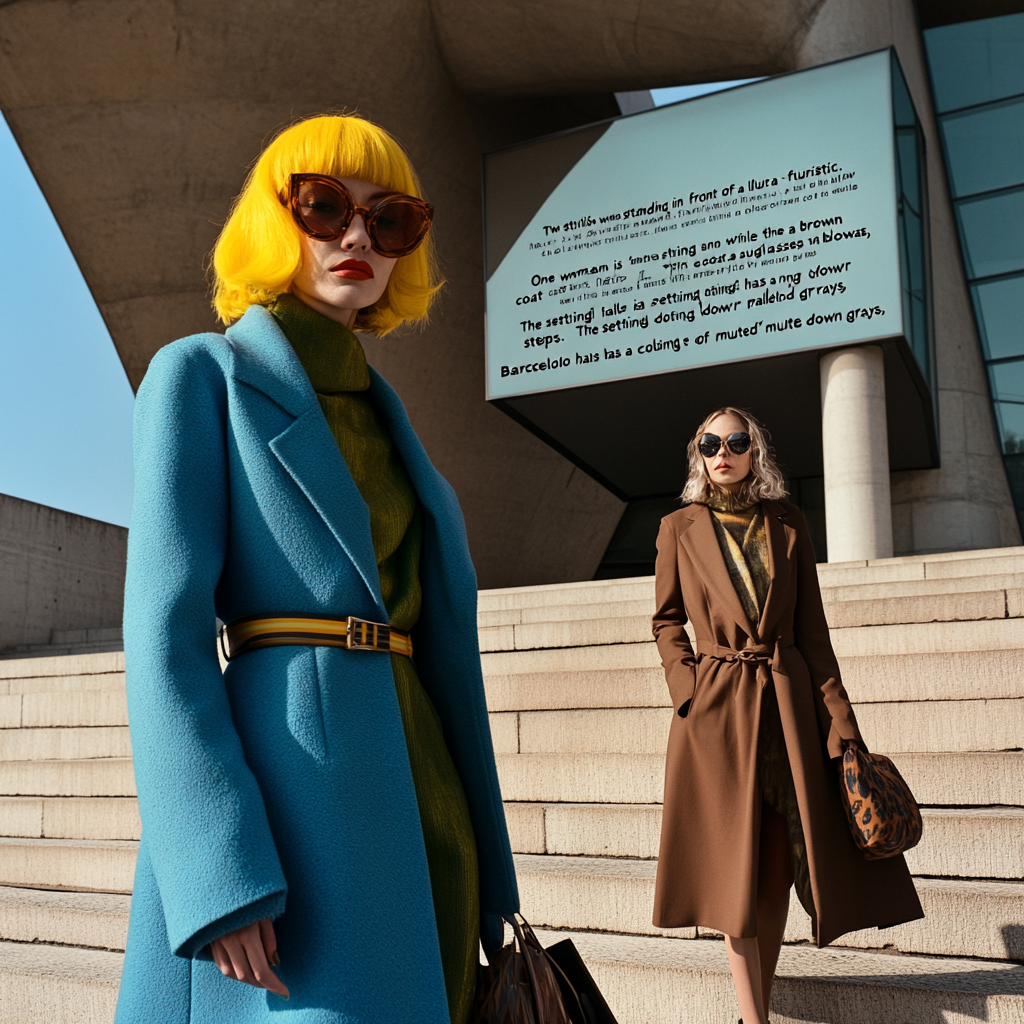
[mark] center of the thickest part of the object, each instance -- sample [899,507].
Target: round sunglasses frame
[370,214]
[741,437]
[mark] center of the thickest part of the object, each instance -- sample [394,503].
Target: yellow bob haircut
[258,252]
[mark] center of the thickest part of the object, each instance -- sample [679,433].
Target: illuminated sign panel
[738,226]
[646,270]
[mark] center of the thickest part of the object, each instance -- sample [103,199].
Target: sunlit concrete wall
[140,120]
[966,503]
[57,571]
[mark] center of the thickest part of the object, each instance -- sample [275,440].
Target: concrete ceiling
[551,47]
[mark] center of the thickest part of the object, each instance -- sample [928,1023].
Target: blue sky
[65,402]
[675,93]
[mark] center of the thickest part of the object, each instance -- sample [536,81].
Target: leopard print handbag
[884,817]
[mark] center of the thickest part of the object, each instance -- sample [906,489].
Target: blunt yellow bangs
[258,252]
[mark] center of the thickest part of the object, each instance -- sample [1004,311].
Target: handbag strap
[520,932]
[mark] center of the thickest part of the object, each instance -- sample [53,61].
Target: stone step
[513,616]
[957,842]
[844,606]
[940,779]
[645,981]
[912,726]
[94,777]
[853,641]
[31,817]
[78,708]
[81,865]
[636,588]
[962,918]
[64,744]
[52,650]
[952,566]
[42,984]
[979,843]
[627,675]
[668,981]
[630,675]
[64,665]
[63,684]
[921,588]
[949,565]
[967,606]
[98,920]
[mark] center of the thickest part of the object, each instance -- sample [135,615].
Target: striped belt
[249,634]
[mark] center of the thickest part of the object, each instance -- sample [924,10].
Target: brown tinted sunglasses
[323,208]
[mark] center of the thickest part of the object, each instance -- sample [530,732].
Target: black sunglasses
[709,445]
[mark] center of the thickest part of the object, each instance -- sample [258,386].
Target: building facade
[140,122]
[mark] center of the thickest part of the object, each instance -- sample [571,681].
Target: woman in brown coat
[752,801]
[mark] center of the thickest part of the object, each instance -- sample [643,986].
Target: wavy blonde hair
[764,482]
[258,252]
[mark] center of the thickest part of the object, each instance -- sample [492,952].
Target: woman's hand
[246,954]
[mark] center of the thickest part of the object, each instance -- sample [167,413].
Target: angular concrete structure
[140,121]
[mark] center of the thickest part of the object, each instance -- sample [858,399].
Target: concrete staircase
[932,650]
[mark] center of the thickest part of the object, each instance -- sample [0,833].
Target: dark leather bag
[525,984]
[884,817]
[585,993]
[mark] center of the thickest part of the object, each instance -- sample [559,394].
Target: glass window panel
[986,147]
[1008,382]
[1015,474]
[1011,426]
[1000,309]
[907,158]
[976,61]
[992,229]
[1008,390]
[903,105]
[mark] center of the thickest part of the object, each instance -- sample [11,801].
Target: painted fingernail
[275,960]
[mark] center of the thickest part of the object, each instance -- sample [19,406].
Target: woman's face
[726,469]
[341,277]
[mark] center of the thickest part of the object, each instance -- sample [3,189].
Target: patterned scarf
[744,543]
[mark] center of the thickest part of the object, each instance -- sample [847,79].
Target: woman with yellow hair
[322,821]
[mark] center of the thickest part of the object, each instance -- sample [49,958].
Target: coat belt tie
[762,655]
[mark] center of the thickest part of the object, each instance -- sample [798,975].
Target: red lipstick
[353,270]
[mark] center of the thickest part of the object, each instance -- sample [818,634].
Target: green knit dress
[336,365]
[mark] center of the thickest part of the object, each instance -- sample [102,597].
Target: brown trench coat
[707,868]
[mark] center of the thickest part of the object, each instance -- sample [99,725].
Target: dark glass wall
[912,213]
[977,71]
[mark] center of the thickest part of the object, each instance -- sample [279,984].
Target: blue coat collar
[264,360]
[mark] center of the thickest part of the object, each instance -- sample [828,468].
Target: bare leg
[753,960]
[774,880]
[745,964]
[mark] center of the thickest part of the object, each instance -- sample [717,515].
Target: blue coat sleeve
[204,822]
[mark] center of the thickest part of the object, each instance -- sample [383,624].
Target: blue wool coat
[282,788]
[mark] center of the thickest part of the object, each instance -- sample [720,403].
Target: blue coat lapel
[306,449]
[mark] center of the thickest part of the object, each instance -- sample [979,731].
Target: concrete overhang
[553,47]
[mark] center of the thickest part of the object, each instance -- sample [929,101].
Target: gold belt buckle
[363,635]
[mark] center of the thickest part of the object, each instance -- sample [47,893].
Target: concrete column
[855,442]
